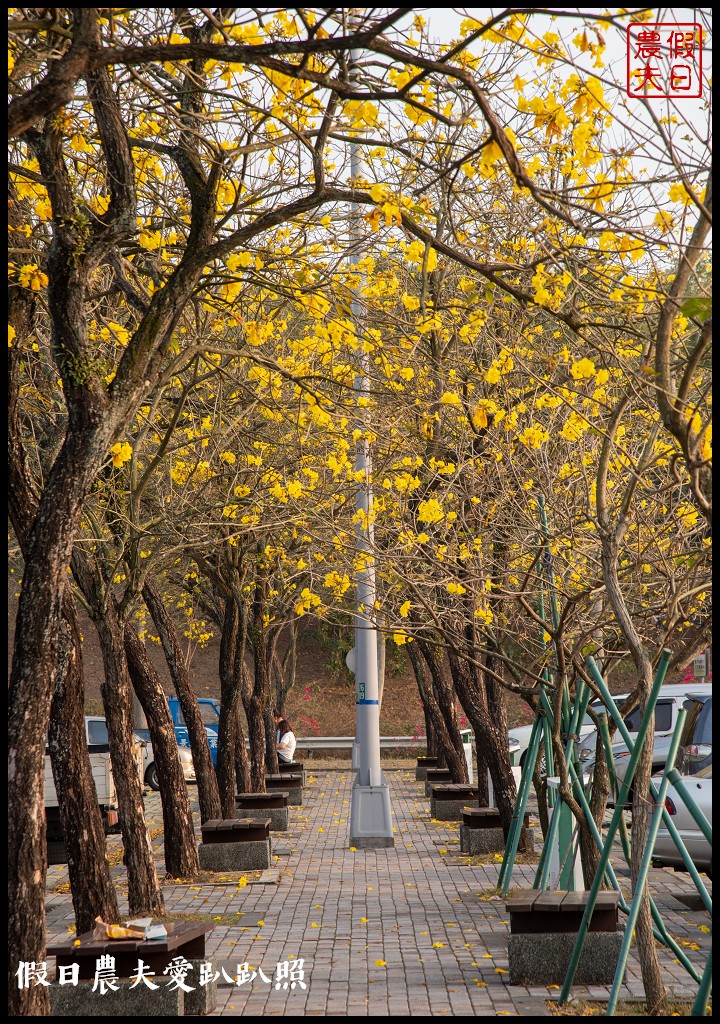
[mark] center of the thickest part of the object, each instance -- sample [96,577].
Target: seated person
[284,739]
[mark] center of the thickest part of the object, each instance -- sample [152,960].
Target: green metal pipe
[660,931]
[605,855]
[699,1006]
[607,751]
[542,874]
[521,800]
[554,607]
[667,820]
[645,866]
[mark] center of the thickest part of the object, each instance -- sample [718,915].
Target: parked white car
[97,734]
[522,734]
[669,702]
[97,737]
[151,776]
[665,853]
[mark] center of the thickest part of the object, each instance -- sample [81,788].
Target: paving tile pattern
[409,930]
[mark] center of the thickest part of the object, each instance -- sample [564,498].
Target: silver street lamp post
[370,815]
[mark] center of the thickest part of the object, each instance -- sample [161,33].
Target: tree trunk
[436,748]
[430,741]
[230,733]
[93,892]
[181,854]
[242,761]
[272,766]
[257,700]
[441,702]
[207,783]
[483,768]
[490,736]
[144,896]
[32,681]
[286,671]
[255,714]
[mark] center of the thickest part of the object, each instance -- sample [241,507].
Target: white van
[669,702]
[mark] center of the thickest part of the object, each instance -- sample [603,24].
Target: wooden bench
[538,911]
[184,939]
[275,798]
[272,805]
[235,830]
[295,768]
[487,817]
[543,933]
[291,782]
[455,791]
[447,800]
[481,830]
[424,762]
[436,777]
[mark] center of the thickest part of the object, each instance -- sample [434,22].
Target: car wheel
[151,778]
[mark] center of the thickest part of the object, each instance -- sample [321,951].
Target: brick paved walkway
[405,931]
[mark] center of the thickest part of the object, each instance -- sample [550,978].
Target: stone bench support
[236,845]
[481,831]
[543,931]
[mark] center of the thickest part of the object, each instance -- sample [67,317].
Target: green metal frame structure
[571,715]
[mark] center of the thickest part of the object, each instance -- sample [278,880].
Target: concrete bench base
[279,817]
[80,1000]
[543,958]
[447,810]
[204,997]
[481,840]
[252,856]
[295,796]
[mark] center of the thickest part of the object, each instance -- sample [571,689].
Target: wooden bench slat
[575,901]
[608,899]
[549,901]
[179,934]
[523,902]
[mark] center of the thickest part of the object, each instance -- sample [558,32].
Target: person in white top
[284,739]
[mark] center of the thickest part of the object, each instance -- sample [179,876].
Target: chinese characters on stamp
[664,59]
